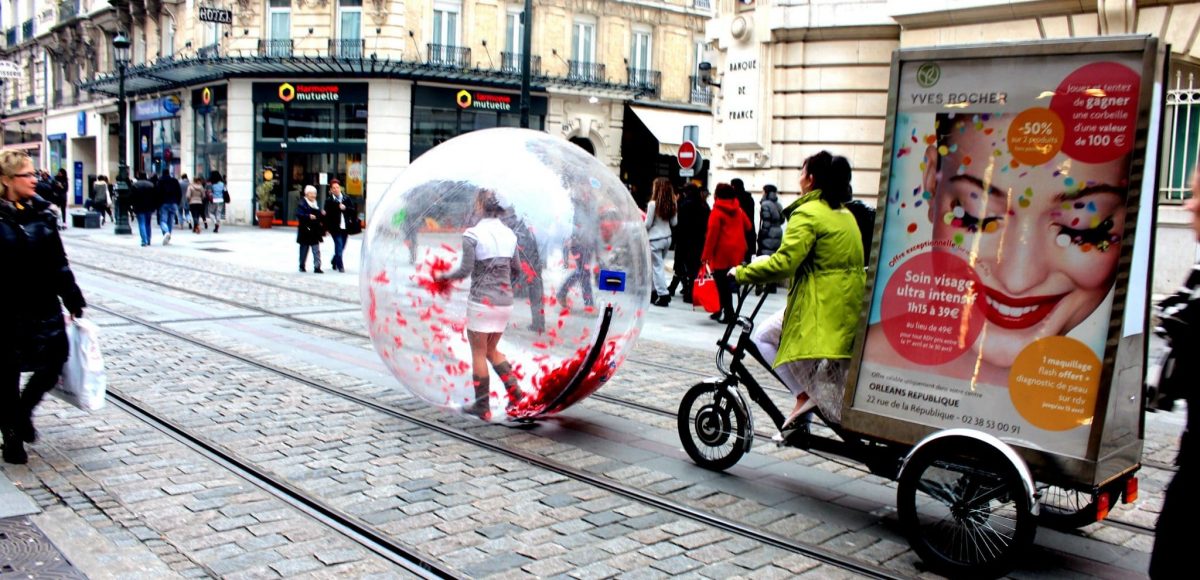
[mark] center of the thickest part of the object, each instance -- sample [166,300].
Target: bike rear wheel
[714,427]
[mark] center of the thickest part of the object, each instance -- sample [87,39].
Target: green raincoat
[822,252]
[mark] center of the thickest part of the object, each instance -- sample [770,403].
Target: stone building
[299,92]
[798,76]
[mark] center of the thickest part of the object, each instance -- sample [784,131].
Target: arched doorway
[585,144]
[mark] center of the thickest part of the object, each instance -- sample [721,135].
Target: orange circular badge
[1035,136]
[1053,383]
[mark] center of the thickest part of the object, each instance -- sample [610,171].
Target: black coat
[168,191]
[32,333]
[309,231]
[144,197]
[770,224]
[690,233]
[747,202]
[333,216]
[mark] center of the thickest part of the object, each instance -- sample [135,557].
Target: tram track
[728,525]
[761,437]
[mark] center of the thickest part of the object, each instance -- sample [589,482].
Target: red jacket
[725,243]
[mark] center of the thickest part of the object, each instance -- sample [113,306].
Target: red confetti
[430,278]
[904,151]
[912,228]
[530,273]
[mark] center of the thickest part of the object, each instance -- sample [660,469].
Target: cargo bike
[1052,435]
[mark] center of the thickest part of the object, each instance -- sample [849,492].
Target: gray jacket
[770,229]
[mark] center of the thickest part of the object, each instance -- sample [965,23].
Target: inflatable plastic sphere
[505,274]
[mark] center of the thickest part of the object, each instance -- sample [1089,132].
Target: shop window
[310,122]
[352,126]
[271,122]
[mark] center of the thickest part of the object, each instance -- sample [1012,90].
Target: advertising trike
[998,368]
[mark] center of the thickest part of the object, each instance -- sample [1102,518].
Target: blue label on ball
[612,281]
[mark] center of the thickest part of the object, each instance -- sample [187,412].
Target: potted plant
[264,196]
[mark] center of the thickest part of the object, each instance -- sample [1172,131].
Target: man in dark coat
[527,280]
[341,220]
[746,201]
[689,239]
[168,193]
[145,203]
[32,333]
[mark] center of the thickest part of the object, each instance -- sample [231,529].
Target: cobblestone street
[222,338]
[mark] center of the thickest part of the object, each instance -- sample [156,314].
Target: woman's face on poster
[1044,240]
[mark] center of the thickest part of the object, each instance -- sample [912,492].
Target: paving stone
[495,565]
[661,551]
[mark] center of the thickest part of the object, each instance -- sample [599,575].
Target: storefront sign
[161,108]
[205,99]
[742,76]
[294,92]
[1008,206]
[10,70]
[216,15]
[81,123]
[476,100]
[485,101]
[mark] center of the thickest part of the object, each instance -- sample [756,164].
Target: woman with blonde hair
[33,337]
[661,217]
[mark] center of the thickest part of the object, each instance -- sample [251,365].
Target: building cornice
[915,14]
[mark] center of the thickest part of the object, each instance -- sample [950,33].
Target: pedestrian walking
[168,212]
[689,239]
[145,202]
[746,202]
[32,333]
[725,245]
[195,200]
[1179,321]
[770,221]
[578,253]
[661,217]
[61,189]
[341,221]
[185,212]
[218,201]
[102,198]
[489,250]
[810,340]
[310,230]
[527,278]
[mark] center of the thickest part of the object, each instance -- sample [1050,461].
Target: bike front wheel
[713,426]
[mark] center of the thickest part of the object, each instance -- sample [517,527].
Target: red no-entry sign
[687,155]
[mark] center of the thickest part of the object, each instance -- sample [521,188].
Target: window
[280,20]
[168,37]
[583,42]
[514,31]
[1181,137]
[352,126]
[640,52]
[350,19]
[445,23]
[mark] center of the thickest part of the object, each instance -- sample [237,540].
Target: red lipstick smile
[1017,313]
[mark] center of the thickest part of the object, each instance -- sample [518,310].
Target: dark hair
[491,205]
[737,184]
[768,188]
[663,196]
[831,175]
[725,191]
[215,176]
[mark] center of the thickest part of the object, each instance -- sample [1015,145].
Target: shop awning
[667,126]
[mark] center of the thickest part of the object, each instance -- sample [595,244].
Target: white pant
[823,379]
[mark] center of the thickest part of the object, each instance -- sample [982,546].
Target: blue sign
[172,104]
[81,123]
[78,183]
[163,108]
[611,281]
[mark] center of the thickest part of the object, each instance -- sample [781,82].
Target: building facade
[299,92]
[798,76]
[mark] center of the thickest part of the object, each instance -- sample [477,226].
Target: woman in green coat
[811,339]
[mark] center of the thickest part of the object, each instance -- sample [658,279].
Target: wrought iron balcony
[701,92]
[510,62]
[27,30]
[210,51]
[588,72]
[702,4]
[448,55]
[278,47]
[68,10]
[645,80]
[10,37]
[346,47]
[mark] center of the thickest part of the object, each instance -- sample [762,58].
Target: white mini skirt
[487,318]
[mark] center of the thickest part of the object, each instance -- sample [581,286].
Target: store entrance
[291,171]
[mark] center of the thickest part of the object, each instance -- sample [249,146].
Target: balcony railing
[278,47]
[588,72]
[701,93]
[68,10]
[27,30]
[210,51]
[702,4]
[346,47]
[448,55]
[646,80]
[10,37]
[510,62]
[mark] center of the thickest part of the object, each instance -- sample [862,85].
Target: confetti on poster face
[581,258]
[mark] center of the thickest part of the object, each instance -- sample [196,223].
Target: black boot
[480,406]
[511,386]
[25,429]
[14,448]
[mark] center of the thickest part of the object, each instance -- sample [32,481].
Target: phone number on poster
[990,425]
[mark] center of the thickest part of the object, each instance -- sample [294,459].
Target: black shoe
[318,271]
[341,269]
[663,300]
[715,316]
[302,268]
[216,228]
[14,449]
[687,298]
[26,431]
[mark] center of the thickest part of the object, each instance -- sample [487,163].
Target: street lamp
[121,187]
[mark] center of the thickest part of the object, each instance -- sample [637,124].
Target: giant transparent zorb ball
[580,280]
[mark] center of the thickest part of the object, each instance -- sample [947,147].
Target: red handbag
[704,292]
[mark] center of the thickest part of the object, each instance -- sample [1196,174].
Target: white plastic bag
[83,381]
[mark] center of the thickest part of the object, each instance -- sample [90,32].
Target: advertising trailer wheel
[714,426]
[1061,508]
[965,508]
